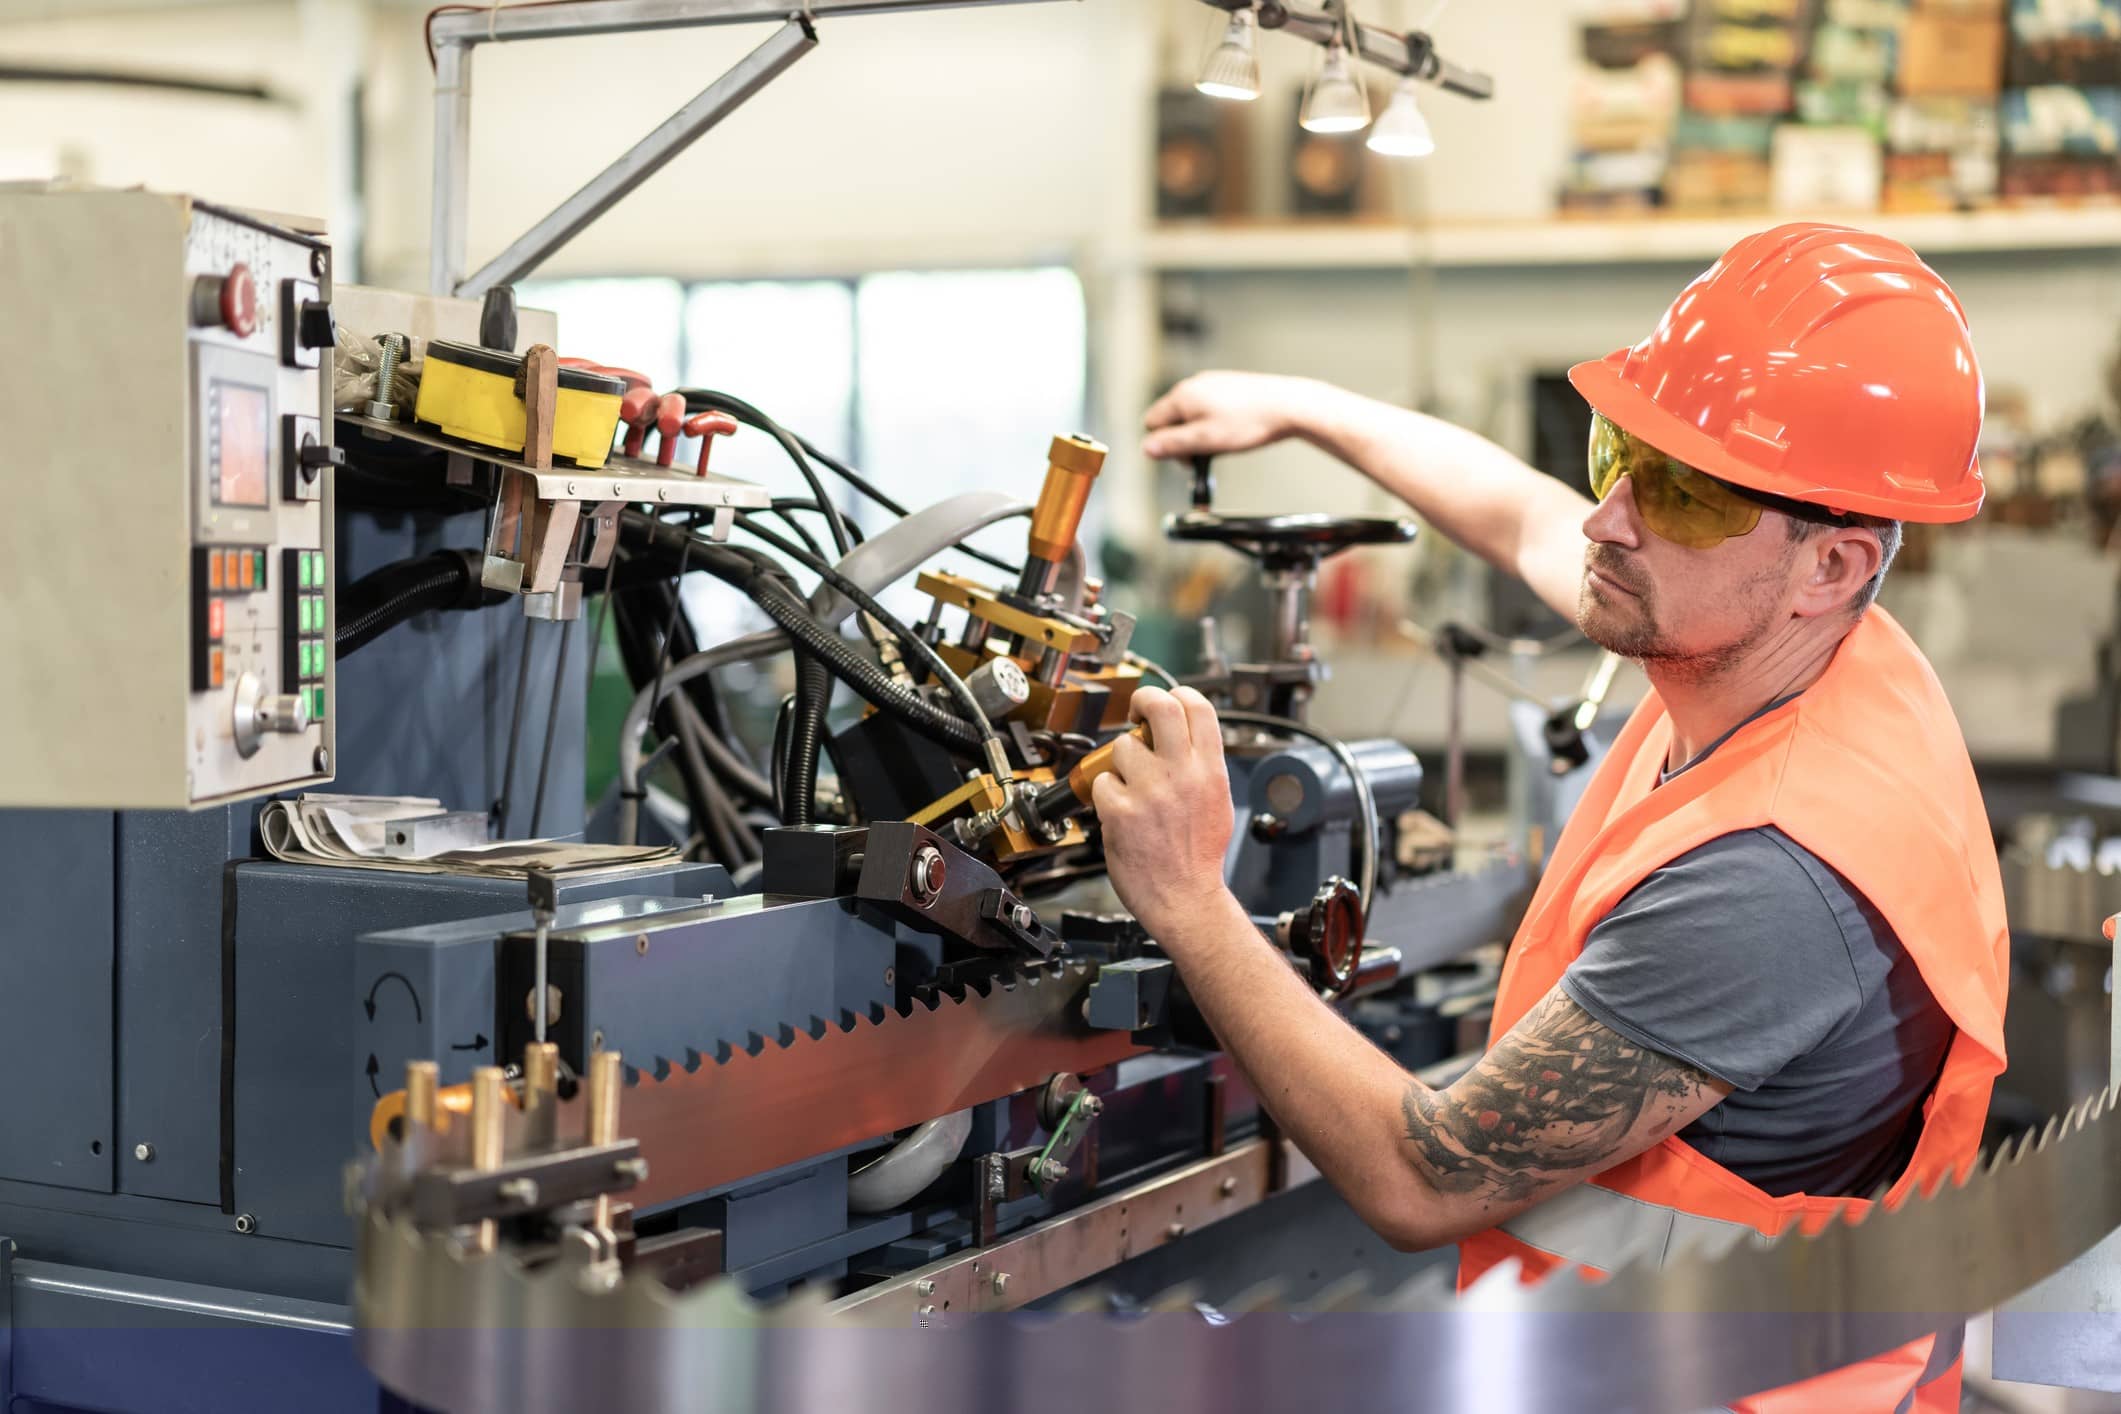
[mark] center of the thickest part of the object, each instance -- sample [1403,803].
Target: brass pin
[488,1132]
[605,1070]
[423,1078]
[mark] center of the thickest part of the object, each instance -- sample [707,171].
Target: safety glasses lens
[1678,503]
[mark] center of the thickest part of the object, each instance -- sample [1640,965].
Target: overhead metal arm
[455,33]
[645,158]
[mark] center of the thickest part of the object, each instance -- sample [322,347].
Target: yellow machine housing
[475,394]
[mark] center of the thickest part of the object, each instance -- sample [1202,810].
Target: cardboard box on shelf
[1843,104]
[1623,109]
[1847,53]
[1941,125]
[1947,54]
[1704,132]
[1825,169]
[2065,41]
[1868,14]
[1729,95]
[1939,181]
[1622,46]
[2061,181]
[2060,120]
[1717,183]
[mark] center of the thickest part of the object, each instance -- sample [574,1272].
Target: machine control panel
[168,388]
[261,584]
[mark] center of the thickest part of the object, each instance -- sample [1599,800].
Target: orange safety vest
[1866,769]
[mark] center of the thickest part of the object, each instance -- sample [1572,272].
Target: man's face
[1694,611]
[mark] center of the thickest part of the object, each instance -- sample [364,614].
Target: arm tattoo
[1560,1093]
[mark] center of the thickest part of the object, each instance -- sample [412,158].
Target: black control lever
[1203,483]
[936,887]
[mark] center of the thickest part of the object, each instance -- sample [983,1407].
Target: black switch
[305,324]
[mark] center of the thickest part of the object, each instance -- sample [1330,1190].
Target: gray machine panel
[55,997]
[301,1022]
[171,868]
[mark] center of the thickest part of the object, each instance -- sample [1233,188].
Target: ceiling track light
[1334,99]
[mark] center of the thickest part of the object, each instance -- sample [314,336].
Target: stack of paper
[414,834]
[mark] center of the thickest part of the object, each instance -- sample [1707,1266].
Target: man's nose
[1614,521]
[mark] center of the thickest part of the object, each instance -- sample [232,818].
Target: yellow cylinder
[1072,465]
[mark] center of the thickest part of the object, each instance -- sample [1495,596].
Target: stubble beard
[1629,626]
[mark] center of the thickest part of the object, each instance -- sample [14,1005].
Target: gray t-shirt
[1752,960]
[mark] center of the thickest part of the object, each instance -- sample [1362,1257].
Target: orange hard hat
[1816,362]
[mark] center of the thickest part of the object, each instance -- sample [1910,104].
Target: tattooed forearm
[1560,1094]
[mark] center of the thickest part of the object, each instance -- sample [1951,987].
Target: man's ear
[1835,562]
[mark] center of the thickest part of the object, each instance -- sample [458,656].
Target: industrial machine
[825,1037]
[871,1018]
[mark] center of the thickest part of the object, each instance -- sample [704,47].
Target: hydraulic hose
[869,679]
[381,600]
[813,693]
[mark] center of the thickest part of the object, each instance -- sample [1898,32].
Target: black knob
[497,319]
[315,456]
[314,326]
[1203,483]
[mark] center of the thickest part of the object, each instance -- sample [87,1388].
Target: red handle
[669,419]
[707,426]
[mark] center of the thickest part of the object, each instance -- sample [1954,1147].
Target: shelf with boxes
[1733,106]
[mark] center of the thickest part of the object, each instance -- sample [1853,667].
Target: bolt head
[322,760]
[617,489]
[246,1224]
[1176,1230]
[1023,917]
[640,945]
[570,488]
[523,1192]
[319,262]
[924,1287]
[1227,1186]
[1001,1283]
[145,1153]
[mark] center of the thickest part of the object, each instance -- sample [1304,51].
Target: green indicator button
[302,570]
[316,704]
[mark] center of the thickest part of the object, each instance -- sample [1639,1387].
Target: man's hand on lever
[1557,1100]
[1213,413]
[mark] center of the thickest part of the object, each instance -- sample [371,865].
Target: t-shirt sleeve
[1729,958]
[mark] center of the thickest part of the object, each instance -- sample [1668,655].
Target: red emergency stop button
[239,301]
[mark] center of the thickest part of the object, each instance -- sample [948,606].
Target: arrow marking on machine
[478,1043]
[370,1003]
[372,1069]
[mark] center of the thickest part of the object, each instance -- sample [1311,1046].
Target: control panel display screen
[241,428]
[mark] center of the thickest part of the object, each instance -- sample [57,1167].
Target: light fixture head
[1335,101]
[1402,129]
[1231,69]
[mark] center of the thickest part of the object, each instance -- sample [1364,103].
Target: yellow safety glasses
[1678,503]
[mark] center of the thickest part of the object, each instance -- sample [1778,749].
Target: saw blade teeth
[722,1052]
[662,1069]
[815,1028]
[785,1036]
[693,1061]
[753,1043]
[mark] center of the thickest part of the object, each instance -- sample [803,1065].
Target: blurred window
[929,383]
